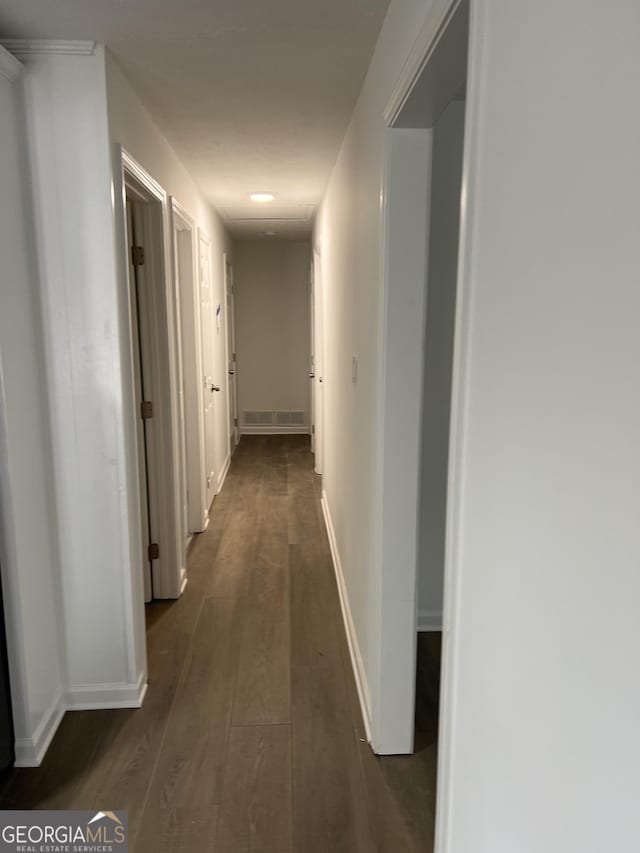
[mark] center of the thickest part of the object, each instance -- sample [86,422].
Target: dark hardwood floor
[250,737]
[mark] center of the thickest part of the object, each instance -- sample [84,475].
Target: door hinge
[234,356]
[313,429]
[137,256]
[146,409]
[235,422]
[154,551]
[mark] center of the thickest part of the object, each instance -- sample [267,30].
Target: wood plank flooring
[250,737]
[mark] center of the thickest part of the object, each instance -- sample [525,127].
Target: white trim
[404,251]
[419,55]
[191,355]
[10,66]
[183,577]
[274,430]
[30,751]
[362,686]
[132,168]
[136,180]
[91,697]
[223,474]
[204,250]
[458,431]
[48,47]
[429,620]
[131,518]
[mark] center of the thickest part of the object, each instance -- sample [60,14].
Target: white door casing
[159,351]
[139,339]
[232,365]
[318,363]
[188,297]
[208,364]
[312,360]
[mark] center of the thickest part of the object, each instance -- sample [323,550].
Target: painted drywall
[72,408]
[542,696]
[540,744]
[347,235]
[131,125]
[444,227]
[272,292]
[28,546]
[65,102]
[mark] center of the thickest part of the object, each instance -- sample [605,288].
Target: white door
[232,370]
[318,366]
[207,320]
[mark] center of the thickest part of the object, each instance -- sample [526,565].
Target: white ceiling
[253,94]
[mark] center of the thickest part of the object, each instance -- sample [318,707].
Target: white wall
[72,404]
[540,742]
[347,234]
[131,125]
[28,545]
[272,289]
[70,169]
[444,222]
[543,697]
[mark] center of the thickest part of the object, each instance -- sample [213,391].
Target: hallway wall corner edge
[30,751]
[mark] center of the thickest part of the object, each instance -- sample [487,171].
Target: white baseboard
[183,579]
[223,474]
[91,697]
[273,430]
[31,751]
[362,686]
[429,620]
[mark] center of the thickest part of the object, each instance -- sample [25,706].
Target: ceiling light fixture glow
[262,197]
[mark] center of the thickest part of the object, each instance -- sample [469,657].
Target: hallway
[250,737]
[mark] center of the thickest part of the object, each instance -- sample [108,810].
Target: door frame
[318,364]
[130,178]
[427,82]
[203,237]
[190,349]
[230,349]
[142,356]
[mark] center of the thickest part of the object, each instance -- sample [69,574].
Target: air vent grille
[283,419]
[258,418]
[290,418]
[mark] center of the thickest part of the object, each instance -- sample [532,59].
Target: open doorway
[155,382]
[423,196]
[142,375]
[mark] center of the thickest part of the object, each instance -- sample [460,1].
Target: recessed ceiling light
[262,196]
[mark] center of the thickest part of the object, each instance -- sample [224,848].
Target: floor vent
[290,418]
[258,418]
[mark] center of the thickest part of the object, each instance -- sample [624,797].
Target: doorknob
[214,388]
[312,376]
[232,373]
